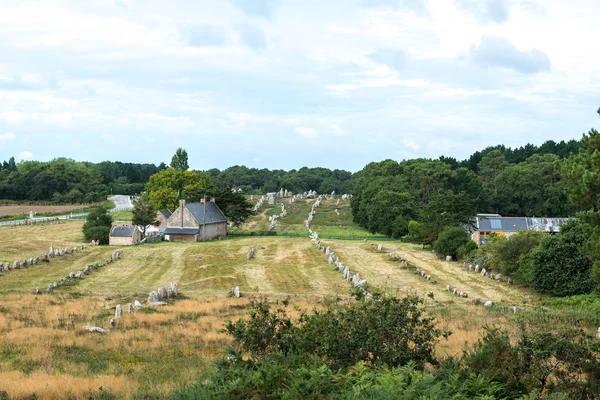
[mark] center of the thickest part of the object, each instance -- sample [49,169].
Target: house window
[496,224]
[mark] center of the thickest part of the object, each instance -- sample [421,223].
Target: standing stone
[50,288]
[153,297]
[129,308]
[172,291]
[379,248]
[598,334]
[162,293]
[235,291]
[515,309]
[137,305]
[510,280]
[37,290]
[16,265]
[71,275]
[448,258]
[498,277]
[448,288]
[118,311]
[488,303]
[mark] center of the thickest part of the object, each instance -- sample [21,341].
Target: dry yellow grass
[44,350]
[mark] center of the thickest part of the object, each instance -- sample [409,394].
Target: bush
[510,255]
[466,251]
[565,362]
[391,332]
[558,266]
[450,240]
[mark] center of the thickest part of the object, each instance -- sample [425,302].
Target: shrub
[558,266]
[510,254]
[450,240]
[565,362]
[388,331]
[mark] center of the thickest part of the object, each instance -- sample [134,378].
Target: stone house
[194,222]
[124,236]
[162,216]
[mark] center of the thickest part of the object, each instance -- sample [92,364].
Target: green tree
[444,210]
[98,225]
[180,160]
[168,186]
[144,213]
[233,205]
[582,172]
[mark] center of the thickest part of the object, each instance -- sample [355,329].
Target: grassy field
[45,351]
[16,211]
[326,222]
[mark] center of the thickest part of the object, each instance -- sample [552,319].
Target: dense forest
[526,181]
[67,181]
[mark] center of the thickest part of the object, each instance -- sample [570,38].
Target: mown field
[45,351]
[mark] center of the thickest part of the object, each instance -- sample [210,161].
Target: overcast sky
[289,83]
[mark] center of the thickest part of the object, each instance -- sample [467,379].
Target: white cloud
[25,155]
[337,130]
[13,117]
[306,132]
[5,137]
[411,144]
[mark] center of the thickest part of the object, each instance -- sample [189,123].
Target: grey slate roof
[213,214]
[165,213]
[505,224]
[182,231]
[123,231]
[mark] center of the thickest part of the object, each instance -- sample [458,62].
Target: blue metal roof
[504,224]
[123,231]
[213,214]
[182,231]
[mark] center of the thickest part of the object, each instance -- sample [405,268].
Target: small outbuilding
[194,222]
[124,236]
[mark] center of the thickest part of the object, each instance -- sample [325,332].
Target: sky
[282,84]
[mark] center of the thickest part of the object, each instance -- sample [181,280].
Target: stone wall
[183,238]
[213,231]
[123,241]
[182,218]
[163,221]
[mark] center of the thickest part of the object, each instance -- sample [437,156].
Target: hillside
[158,348]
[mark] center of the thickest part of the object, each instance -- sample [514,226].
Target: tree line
[257,181]
[63,180]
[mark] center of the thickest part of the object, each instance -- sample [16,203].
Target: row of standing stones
[332,259]
[155,298]
[455,291]
[52,253]
[80,274]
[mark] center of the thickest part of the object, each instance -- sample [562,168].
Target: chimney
[181,203]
